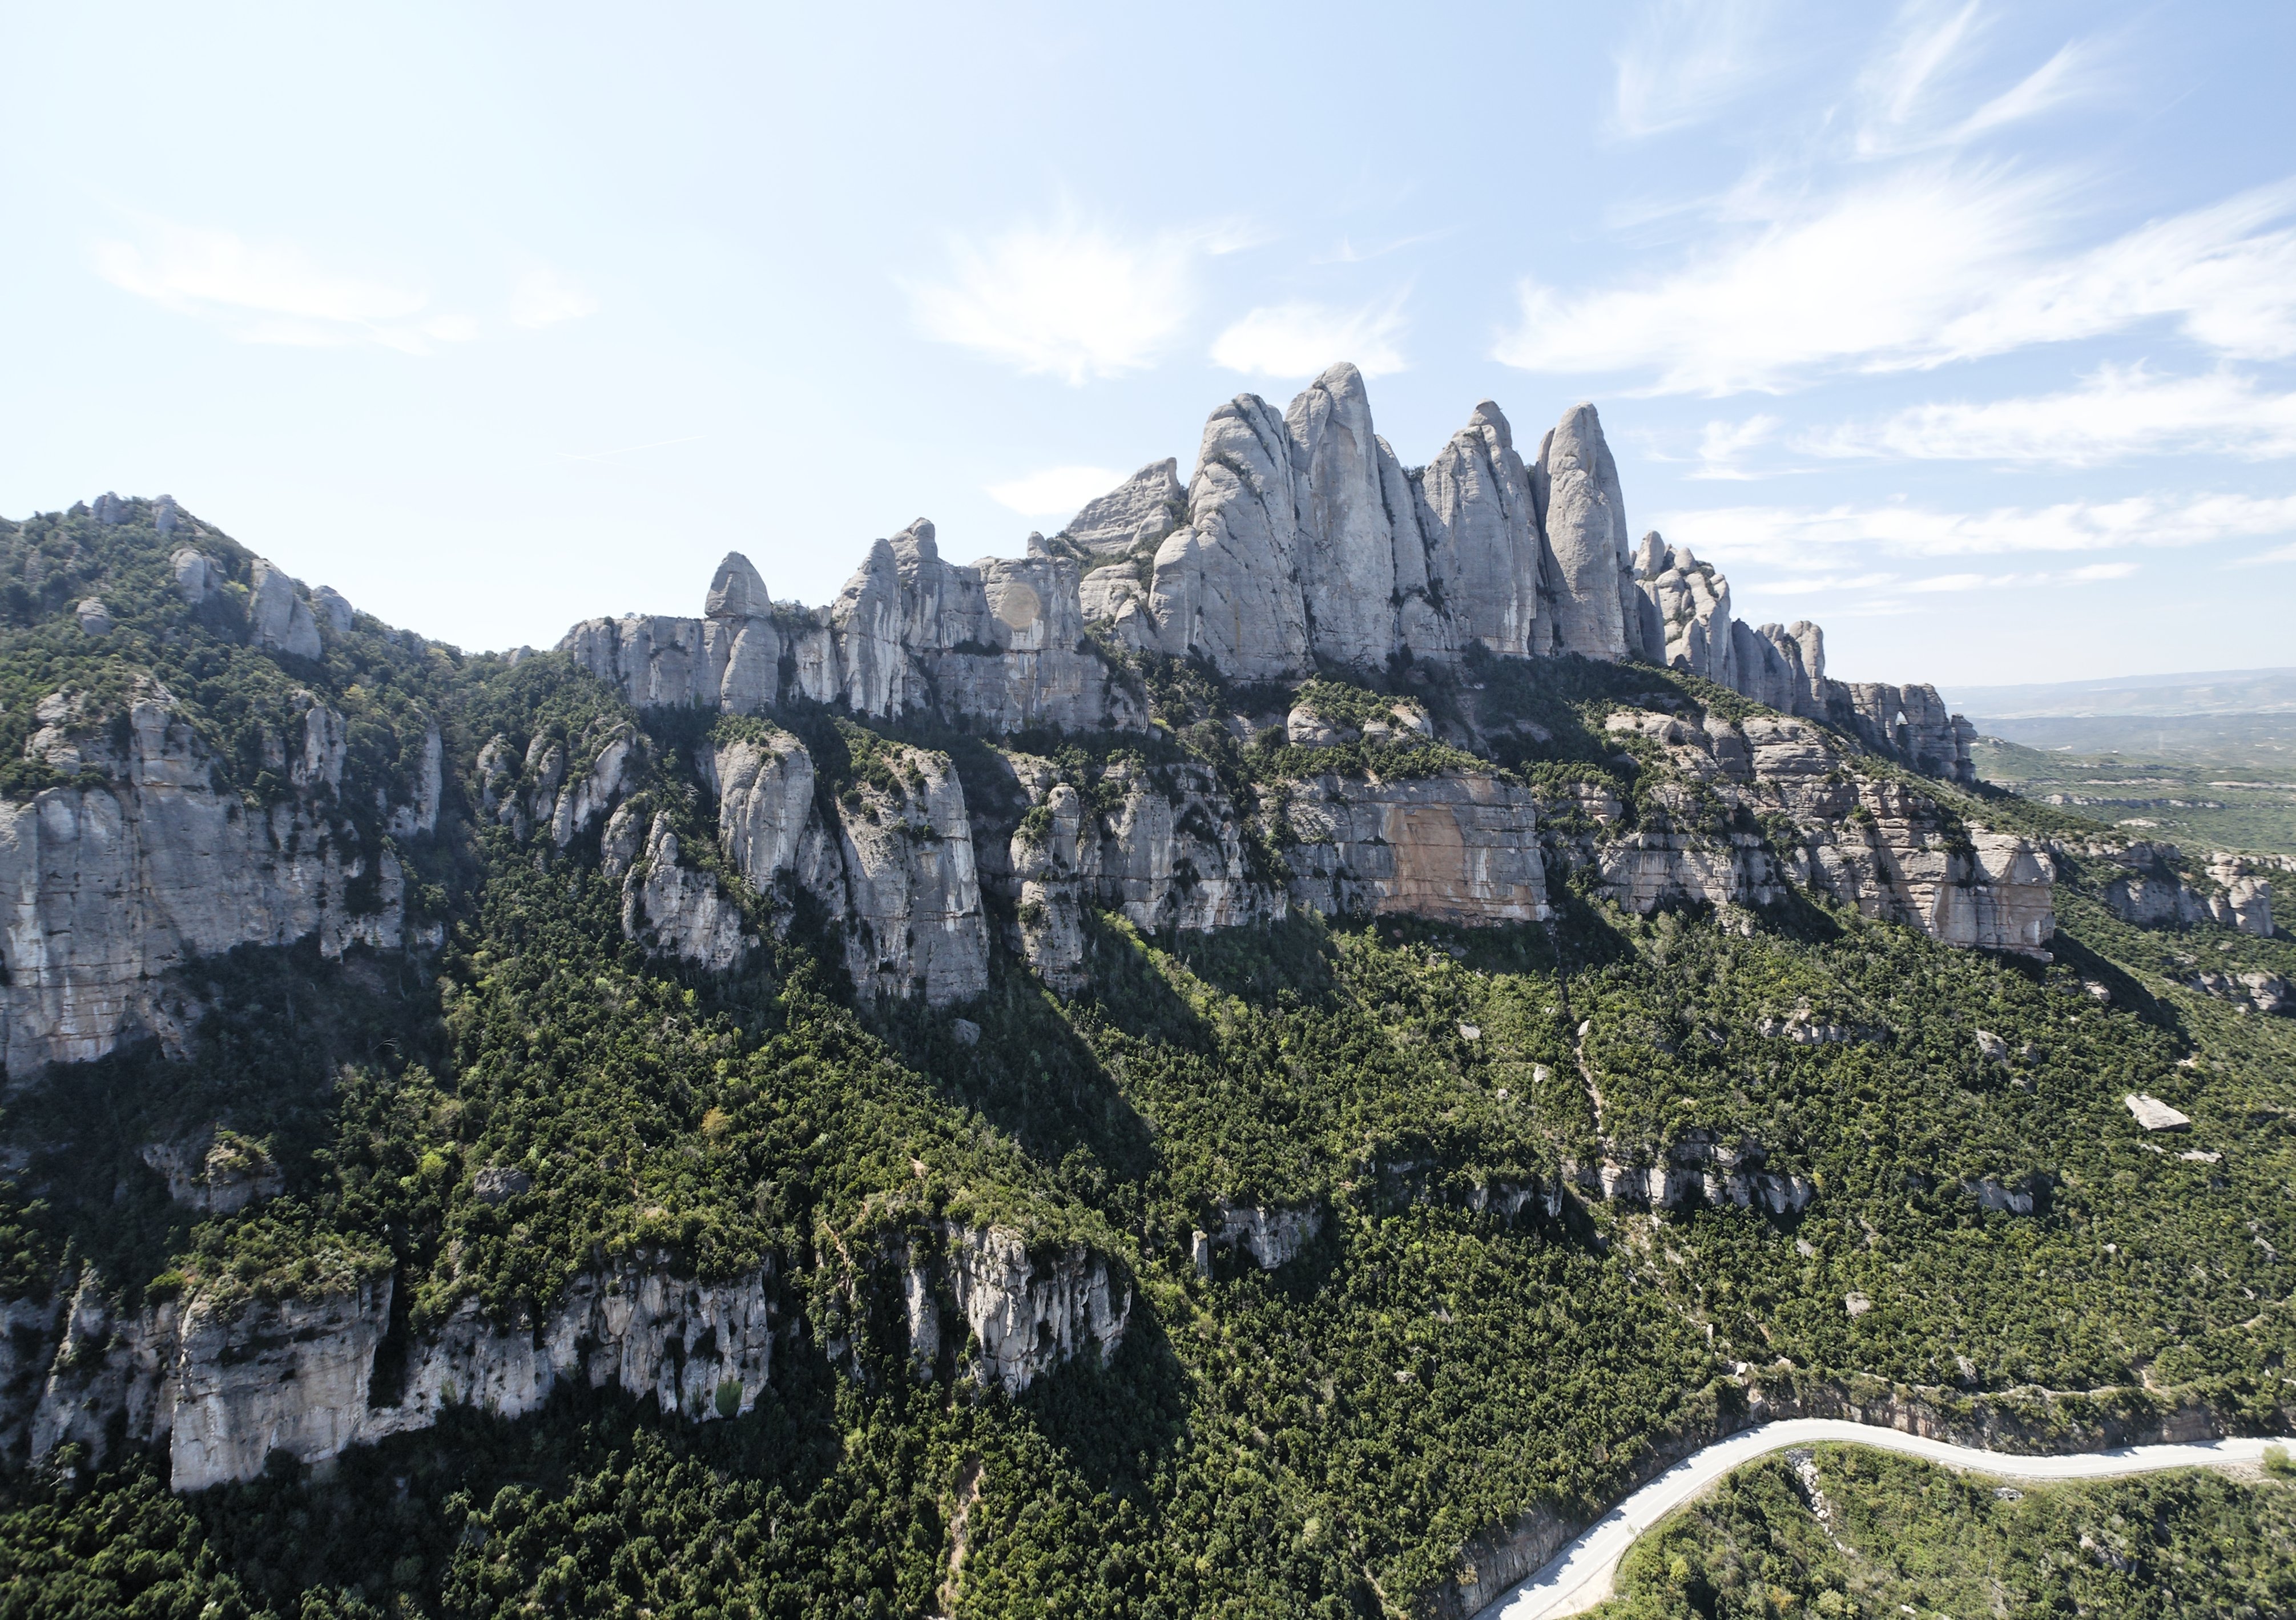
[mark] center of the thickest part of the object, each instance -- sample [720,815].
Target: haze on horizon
[1965,330]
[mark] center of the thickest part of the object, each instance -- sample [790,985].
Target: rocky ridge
[224,1382]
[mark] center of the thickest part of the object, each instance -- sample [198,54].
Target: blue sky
[1966,330]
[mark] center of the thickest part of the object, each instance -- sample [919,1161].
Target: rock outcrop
[998,645]
[1871,843]
[1585,539]
[1007,1313]
[1461,847]
[2153,888]
[105,890]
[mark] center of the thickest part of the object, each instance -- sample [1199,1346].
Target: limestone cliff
[145,863]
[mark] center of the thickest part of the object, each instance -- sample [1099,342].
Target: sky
[1966,330]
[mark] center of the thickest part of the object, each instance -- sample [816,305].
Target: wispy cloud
[2090,575]
[273,292]
[1069,299]
[1914,55]
[1813,540]
[1723,446]
[1931,265]
[1054,492]
[1299,340]
[2278,553]
[1689,59]
[543,298]
[2117,413]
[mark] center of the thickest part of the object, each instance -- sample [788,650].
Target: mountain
[2226,691]
[1272,1054]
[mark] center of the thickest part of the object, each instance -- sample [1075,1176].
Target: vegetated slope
[1843,1530]
[1467,1315]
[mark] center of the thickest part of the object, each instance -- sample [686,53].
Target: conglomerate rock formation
[1351,619]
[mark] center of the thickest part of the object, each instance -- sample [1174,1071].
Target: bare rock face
[1271,1237]
[225,1385]
[912,894]
[1173,854]
[1055,867]
[1346,548]
[1688,605]
[103,891]
[196,577]
[1479,517]
[289,1376]
[1873,844]
[1907,723]
[278,618]
[2155,893]
[1136,515]
[766,818]
[1022,1314]
[675,911]
[215,1172]
[1585,536]
[1227,586]
[1461,847]
[703,1350]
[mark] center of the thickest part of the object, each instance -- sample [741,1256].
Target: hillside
[1267,1058]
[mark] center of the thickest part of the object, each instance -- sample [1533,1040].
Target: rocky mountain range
[1311,683]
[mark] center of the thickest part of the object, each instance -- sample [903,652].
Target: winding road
[1579,1576]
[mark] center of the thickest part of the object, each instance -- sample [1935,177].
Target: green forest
[1328,1439]
[1837,1530]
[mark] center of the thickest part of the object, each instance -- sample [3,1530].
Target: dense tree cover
[1323,1439]
[1901,1537]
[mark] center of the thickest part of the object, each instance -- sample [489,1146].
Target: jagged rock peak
[736,590]
[1140,512]
[1585,536]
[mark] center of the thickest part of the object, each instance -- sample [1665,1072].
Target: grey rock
[95,617]
[675,911]
[195,576]
[965,1032]
[912,894]
[335,608]
[110,510]
[1271,1235]
[1227,586]
[1136,515]
[167,516]
[2151,1114]
[277,616]
[500,1183]
[765,820]
[215,1172]
[108,888]
[1686,604]
[1478,516]
[1585,535]
[1346,544]
[1461,847]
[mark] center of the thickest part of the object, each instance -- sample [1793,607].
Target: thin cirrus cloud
[1689,59]
[1069,299]
[545,297]
[2117,413]
[1299,340]
[1920,269]
[273,292]
[1054,491]
[1814,540]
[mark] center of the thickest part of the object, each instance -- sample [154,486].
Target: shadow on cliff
[378,1515]
[1116,1423]
[1031,1073]
[278,1023]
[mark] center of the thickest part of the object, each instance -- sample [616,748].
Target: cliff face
[1007,1315]
[222,1386]
[107,887]
[1871,843]
[998,645]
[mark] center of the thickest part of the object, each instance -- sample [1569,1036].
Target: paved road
[1579,1576]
